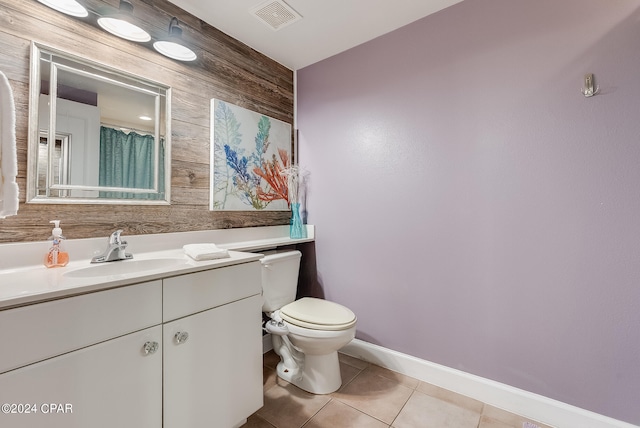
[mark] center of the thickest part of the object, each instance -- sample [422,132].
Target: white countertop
[25,280]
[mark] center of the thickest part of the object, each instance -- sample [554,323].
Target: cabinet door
[110,384]
[213,377]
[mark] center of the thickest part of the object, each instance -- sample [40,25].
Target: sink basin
[124,267]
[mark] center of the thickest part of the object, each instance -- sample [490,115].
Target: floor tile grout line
[400,384]
[360,411]
[398,381]
[402,408]
[265,421]
[343,385]
[484,405]
[346,361]
[319,410]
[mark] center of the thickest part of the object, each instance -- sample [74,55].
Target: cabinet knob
[150,347]
[181,337]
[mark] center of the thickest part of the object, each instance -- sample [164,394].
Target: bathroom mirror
[110,132]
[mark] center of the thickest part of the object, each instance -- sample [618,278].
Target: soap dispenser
[56,257]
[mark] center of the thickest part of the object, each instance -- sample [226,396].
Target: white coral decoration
[295,177]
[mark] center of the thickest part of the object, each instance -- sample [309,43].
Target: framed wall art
[250,154]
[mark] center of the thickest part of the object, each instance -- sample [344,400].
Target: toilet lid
[318,314]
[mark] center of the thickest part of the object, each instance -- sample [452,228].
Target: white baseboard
[528,404]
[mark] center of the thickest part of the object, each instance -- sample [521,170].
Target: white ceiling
[327,27]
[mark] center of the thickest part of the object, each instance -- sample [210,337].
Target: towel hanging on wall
[8,152]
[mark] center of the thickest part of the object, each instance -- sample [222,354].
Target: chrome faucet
[115,250]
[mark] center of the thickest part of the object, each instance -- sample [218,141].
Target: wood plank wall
[225,69]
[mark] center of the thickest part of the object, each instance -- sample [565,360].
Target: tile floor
[374,397]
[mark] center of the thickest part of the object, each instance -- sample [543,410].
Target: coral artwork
[249,154]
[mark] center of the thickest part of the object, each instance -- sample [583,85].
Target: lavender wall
[473,208]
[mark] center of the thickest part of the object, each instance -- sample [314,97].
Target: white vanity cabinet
[93,360]
[212,347]
[183,351]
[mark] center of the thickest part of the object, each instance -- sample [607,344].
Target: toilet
[306,333]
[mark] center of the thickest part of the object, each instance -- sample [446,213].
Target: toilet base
[309,358]
[320,374]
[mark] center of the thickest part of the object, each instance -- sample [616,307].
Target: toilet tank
[279,279]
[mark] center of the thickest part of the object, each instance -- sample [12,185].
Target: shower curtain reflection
[127,160]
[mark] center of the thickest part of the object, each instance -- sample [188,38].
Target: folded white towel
[205,252]
[8,153]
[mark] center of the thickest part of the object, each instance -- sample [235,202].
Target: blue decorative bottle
[297,229]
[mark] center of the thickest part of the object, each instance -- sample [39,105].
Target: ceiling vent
[275,14]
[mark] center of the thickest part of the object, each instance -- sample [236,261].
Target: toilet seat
[318,314]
